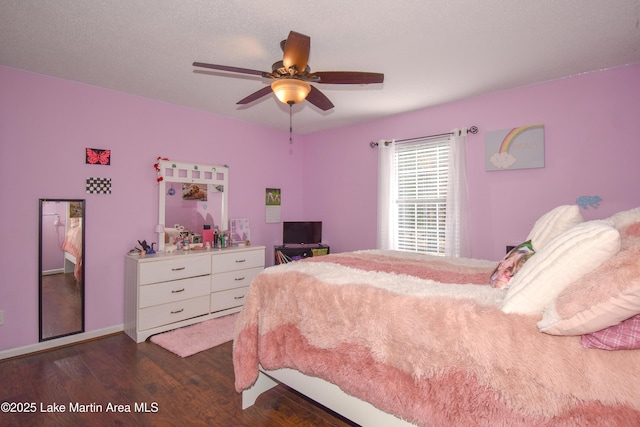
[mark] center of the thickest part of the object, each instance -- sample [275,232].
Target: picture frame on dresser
[240,230]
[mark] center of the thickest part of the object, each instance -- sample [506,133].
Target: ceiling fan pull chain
[290,124]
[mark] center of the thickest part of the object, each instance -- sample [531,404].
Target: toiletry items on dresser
[168,291]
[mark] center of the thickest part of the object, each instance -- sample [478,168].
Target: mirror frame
[192,173]
[82,284]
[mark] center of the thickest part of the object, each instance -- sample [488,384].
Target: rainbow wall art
[516,148]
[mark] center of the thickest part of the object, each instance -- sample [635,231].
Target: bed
[72,247]
[395,339]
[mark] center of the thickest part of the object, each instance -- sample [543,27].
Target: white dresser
[168,291]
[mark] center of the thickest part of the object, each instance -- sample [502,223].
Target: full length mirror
[192,196]
[61,267]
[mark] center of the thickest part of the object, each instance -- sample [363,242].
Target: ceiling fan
[292,75]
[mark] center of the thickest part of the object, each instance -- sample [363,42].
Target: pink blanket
[73,244]
[431,352]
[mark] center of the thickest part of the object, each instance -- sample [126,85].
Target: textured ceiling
[431,51]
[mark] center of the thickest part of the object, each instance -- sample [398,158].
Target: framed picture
[75,209]
[192,191]
[273,200]
[97,156]
[95,185]
[273,197]
[515,148]
[240,232]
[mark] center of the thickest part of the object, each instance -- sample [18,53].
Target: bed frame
[323,392]
[69,263]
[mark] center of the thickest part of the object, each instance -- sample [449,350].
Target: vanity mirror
[61,267]
[191,196]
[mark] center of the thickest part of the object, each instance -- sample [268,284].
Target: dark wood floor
[195,391]
[61,305]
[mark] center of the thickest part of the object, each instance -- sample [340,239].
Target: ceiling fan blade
[348,77]
[230,69]
[296,51]
[319,99]
[256,95]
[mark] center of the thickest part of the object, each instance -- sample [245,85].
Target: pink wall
[592,147]
[46,123]
[45,126]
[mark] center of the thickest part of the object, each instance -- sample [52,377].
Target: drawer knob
[240,297]
[240,260]
[177,291]
[177,311]
[237,279]
[177,268]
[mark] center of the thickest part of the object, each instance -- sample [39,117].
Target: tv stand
[295,252]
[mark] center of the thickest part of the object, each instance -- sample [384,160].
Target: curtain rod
[472,129]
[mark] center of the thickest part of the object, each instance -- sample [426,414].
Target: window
[422,195]
[419,207]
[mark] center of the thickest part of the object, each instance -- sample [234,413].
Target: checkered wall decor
[98,185]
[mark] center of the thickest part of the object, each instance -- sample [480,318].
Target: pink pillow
[625,336]
[603,298]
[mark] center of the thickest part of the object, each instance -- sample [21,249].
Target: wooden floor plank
[96,376]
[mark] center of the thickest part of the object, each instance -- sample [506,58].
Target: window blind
[421,170]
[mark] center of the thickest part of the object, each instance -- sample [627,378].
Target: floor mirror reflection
[61,267]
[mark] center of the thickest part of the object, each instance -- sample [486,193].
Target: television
[301,232]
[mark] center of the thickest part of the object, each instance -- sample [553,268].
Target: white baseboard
[70,339]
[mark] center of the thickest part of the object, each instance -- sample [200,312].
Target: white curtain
[457,241]
[386,185]
[456,229]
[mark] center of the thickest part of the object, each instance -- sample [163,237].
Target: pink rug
[199,337]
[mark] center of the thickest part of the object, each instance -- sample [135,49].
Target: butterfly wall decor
[97,156]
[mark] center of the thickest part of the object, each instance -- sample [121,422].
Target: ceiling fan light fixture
[291,91]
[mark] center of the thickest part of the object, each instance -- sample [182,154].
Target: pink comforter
[432,352]
[73,244]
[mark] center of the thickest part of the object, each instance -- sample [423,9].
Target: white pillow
[565,259]
[554,222]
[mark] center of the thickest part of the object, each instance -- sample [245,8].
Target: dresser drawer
[237,260]
[158,315]
[233,279]
[228,299]
[172,269]
[162,293]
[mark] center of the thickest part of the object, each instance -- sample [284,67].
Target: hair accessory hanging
[157,168]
